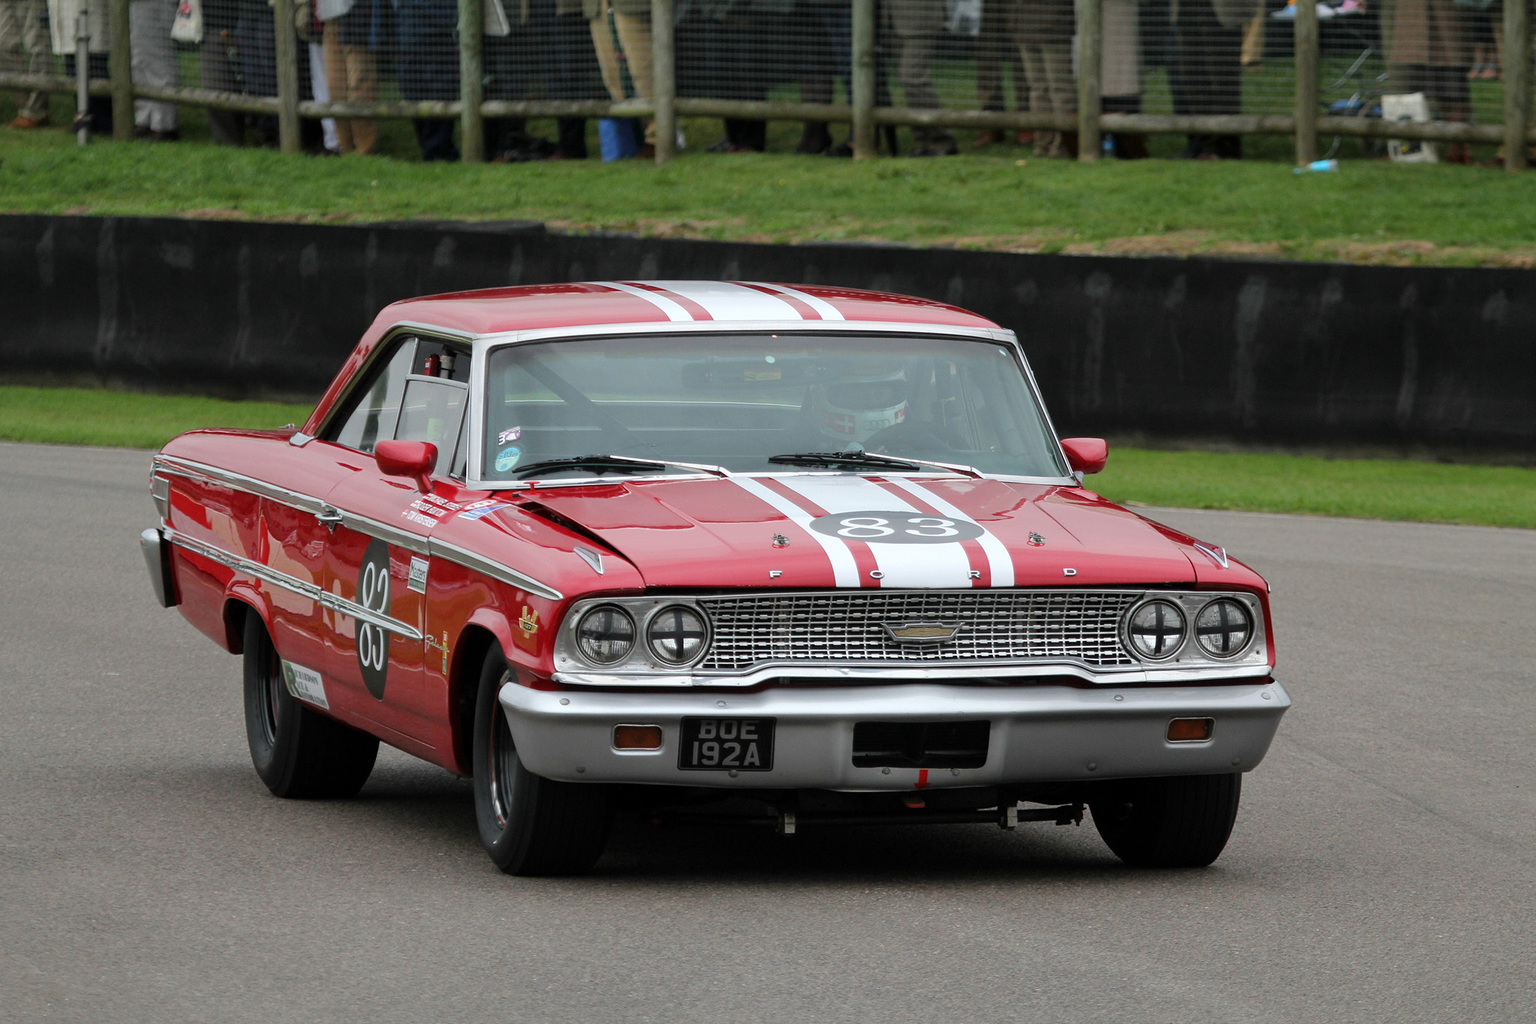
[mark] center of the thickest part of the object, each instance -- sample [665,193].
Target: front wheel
[1180,822]
[298,752]
[529,825]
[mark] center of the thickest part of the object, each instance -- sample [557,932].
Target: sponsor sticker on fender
[305,684]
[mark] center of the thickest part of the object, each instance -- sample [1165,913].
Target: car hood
[849,530]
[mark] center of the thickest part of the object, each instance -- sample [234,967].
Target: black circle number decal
[896,528]
[373,594]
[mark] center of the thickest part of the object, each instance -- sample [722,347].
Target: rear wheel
[298,752]
[1179,822]
[529,825]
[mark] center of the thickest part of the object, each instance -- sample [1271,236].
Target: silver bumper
[1037,734]
[157,558]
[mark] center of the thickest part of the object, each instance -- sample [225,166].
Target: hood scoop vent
[565,522]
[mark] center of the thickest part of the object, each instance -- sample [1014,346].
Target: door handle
[330,517]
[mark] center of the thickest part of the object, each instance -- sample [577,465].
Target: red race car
[802,555]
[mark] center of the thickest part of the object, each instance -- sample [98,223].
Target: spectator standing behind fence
[62,18]
[1207,76]
[631,20]
[22,50]
[154,63]
[1045,47]
[826,54]
[916,25]
[997,45]
[429,68]
[548,43]
[1427,52]
[1120,83]
[349,35]
[218,69]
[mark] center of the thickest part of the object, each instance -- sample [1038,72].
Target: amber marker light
[637,737]
[1187,730]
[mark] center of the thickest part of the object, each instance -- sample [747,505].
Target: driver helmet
[852,407]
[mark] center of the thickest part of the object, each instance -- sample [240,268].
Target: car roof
[546,306]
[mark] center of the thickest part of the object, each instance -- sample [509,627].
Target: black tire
[528,825]
[298,752]
[1168,823]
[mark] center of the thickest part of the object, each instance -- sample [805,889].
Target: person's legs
[24,49]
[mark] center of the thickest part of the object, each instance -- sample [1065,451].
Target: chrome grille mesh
[846,626]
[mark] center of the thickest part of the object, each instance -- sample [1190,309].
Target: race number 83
[896,527]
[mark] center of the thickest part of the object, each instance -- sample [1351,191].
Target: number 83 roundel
[896,528]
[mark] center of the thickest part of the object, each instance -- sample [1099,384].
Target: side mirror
[1086,454]
[415,459]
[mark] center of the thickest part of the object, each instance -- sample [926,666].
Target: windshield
[738,401]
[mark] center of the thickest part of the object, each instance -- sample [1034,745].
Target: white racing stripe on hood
[661,302]
[903,565]
[822,306]
[998,558]
[845,573]
[725,301]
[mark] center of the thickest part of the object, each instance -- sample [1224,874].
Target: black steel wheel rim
[503,762]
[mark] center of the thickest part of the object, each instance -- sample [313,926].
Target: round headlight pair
[1157,629]
[676,635]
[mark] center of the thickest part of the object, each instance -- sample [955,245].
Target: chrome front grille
[848,626]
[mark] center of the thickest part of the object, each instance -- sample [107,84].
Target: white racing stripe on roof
[902,565]
[661,302]
[822,306]
[845,573]
[727,301]
[998,558]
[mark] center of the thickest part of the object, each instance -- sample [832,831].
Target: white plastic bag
[1408,106]
[188,26]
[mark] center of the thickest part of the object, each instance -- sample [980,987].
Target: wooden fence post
[664,78]
[1305,43]
[471,81]
[1090,80]
[863,80]
[120,69]
[287,76]
[1517,83]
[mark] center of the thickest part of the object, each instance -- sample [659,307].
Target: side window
[433,410]
[375,410]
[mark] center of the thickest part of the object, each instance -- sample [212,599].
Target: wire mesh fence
[1069,78]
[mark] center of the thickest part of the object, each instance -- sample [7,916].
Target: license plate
[726,744]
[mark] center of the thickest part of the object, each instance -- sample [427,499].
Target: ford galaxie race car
[812,551]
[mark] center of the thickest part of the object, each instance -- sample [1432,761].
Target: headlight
[1156,630]
[605,635]
[677,634]
[1223,628]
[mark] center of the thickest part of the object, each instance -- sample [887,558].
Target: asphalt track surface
[1383,867]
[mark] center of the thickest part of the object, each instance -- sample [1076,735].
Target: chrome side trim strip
[495,570]
[172,466]
[412,542]
[302,587]
[864,674]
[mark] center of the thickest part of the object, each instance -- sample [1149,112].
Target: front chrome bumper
[1037,734]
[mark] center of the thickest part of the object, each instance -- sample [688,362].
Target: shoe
[646,152]
[723,146]
[1025,138]
[814,140]
[941,147]
[148,134]
[990,137]
[25,123]
[1476,70]
[841,150]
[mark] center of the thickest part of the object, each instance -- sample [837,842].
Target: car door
[377,550]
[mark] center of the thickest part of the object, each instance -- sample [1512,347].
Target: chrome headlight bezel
[1199,633]
[569,655]
[1190,652]
[1179,637]
[579,645]
[657,620]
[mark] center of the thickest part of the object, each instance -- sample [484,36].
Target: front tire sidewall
[528,825]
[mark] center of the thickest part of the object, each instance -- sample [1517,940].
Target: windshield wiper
[612,463]
[868,459]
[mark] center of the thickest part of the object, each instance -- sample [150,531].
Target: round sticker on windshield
[507,458]
[896,528]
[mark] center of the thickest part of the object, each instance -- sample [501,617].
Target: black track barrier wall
[1266,352]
